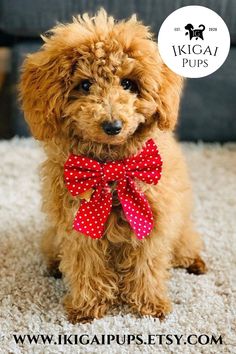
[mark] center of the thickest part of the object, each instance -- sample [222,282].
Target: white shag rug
[30,301]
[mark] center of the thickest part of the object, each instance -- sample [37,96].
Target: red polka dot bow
[82,173]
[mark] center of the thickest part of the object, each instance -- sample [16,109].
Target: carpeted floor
[30,302]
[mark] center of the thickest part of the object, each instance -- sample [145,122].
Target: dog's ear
[41,93]
[169,99]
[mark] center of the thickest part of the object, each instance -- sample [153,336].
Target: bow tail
[136,208]
[92,215]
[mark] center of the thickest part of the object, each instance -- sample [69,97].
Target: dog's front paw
[158,309]
[197,267]
[86,313]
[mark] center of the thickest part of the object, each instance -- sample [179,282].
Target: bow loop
[147,165]
[82,173]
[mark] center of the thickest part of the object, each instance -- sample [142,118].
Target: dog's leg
[143,270]
[50,247]
[92,282]
[186,252]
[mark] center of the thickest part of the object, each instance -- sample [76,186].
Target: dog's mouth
[104,152]
[125,138]
[121,136]
[115,140]
[104,147]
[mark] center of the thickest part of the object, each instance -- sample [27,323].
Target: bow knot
[113,171]
[82,173]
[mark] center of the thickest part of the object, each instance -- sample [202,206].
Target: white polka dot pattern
[82,173]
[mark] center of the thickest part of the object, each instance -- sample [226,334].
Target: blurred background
[208,109]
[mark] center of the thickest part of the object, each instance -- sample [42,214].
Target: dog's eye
[128,84]
[83,85]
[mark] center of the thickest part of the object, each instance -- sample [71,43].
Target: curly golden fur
[118,267]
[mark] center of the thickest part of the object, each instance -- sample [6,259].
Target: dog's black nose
[112,128]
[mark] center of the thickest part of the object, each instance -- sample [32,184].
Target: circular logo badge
[194,41]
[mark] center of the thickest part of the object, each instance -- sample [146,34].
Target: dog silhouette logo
[195,33]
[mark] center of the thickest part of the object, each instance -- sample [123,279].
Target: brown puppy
[87,73]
